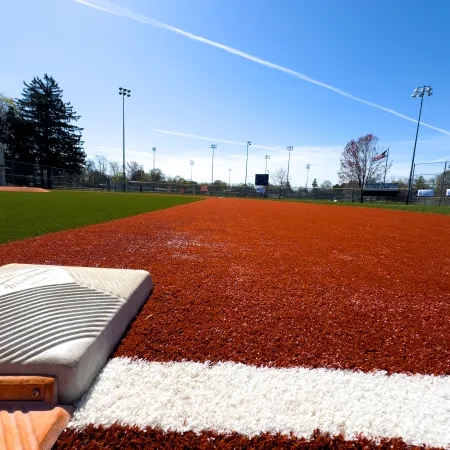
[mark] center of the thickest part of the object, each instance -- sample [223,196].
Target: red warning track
[281,284]
[21,189]
[123,438]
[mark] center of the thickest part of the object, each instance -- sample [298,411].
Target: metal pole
[265,170]
[213,146]
[123,131]
[229,178]
[290,148]
[246,162]
[385,167]
[442,185]
[154,157]
[414,151]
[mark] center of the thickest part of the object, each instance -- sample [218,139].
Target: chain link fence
[431,183]
[32,175]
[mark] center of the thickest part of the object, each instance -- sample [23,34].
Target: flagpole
[385,167]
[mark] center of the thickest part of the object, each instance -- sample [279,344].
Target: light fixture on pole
[418,92]
[192,163]
[154,156]
[229,177]
[289,149]
[267,157]
[308,166]
[124,93]
[213,147]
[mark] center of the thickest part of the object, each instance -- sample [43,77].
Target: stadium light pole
[418,92]
[289,149]
[213,147]
[229,178]
[267,157]
[308,166]
[123,92]
[154,156]
[191,163]
[246,162]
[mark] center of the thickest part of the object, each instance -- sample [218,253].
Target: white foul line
[230,397]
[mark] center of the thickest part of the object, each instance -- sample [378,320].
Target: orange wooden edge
[31,389]
[29,417]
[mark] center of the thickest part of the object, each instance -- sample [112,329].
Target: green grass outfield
[445,210]
[29,214]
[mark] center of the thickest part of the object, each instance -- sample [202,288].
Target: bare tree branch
[359,163]
[279,177]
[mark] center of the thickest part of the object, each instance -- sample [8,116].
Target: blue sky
[376,51]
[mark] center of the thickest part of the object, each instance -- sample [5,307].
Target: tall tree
[15,132]
[134,171]
[5,105]
[114,170]
[156,175]
[361,161]
[56,141]
[279,177]
[326,185]
[421,183]
[101,164]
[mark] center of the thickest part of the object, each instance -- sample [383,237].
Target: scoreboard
[261,179]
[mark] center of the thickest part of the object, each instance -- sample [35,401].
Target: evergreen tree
[54,140]
[16,136]
[315,184]
[421,183]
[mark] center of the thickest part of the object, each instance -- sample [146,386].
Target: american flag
[380,156]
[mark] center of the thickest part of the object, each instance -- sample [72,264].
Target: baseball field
[271,324]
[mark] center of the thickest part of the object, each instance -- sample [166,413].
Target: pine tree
[54,140]
[315,184]
[421,183]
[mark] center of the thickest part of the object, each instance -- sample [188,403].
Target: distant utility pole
[246,165]
[124,93]
[213,147]
[418,92]
[289,149]
[308,166]
[192,163]
[386,165]
[154,156]
[246,162]
[229,177]
[267,157]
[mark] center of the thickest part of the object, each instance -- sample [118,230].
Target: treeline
[100,169]
[436,182]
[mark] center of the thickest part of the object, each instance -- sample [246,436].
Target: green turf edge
[443,210]
[30,214]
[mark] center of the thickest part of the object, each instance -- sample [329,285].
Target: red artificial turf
[280,284]
[116,437]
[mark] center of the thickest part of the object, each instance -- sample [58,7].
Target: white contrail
[125,12]
[205,138]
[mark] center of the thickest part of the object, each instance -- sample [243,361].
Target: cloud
[444,159]
[111,8]
[213,140]
[303,150]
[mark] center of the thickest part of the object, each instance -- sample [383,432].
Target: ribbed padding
[38,319]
